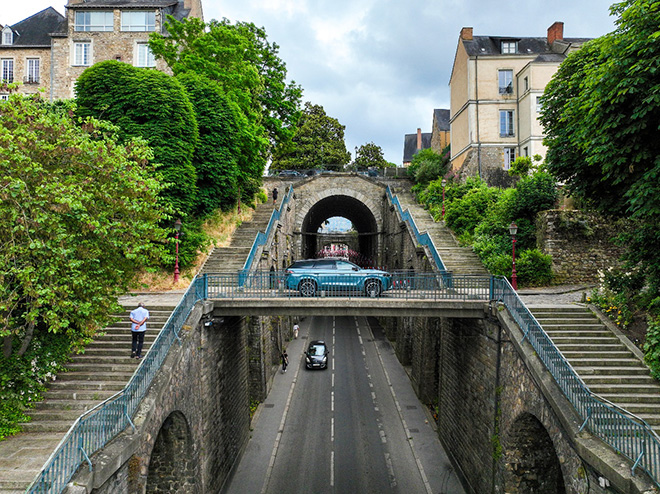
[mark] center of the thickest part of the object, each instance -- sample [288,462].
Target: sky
[380,67]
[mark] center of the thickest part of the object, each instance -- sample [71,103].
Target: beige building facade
[47,52]
[496,88]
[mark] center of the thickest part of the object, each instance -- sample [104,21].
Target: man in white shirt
[139,318]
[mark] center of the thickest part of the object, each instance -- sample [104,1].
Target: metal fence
[421,238]
[625,432]
[96,427]
[404,285]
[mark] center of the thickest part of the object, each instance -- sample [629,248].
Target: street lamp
[513,229]
[177,227]
[444,183]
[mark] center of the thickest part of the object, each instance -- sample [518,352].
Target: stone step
[575,347]
[82,394]
[95,369]
[84,385]
[652,398]
[599,362]
[576,329]
[604,370]
[81,375]
[59,426]
[107,357]
[625,382]
[119,338]
[79,405]
[603,354]
[584,341]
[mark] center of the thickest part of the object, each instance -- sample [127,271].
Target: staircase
[608,367]
[232,258]
[457,259]
[92,377]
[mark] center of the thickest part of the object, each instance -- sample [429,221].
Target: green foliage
[82,211]
[151,105]
[215,156]
[428,165]
[370,155]
[521,166]
[601,114]
[465,213]
[652,346]
[318,143]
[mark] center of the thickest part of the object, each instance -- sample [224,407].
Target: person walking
[296,328]
[285,361]
[139,318]
[275,195]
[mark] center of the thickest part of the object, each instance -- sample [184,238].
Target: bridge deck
[349,306]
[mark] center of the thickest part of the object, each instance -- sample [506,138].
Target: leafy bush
[652,346]
[465,213]
[534,268]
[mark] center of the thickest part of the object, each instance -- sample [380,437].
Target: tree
[152,105]
[318,143]
[602,115]
[370,155]
[245,64]
[216,154]
[428,165]
[81,211]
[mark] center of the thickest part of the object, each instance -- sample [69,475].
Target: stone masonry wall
[580,244]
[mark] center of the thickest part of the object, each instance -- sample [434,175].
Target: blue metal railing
[626,433]
[421,238]
[96,427]
[262,237]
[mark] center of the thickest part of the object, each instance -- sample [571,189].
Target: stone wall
[492,169]
[580,244]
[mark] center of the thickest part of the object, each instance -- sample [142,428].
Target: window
[7,68]
[509,157]
[539,104]
[94,21]
[7,36]
[508,47]
[526,83]
[82,53]
[138,20]
[506,81]
[32,71]
[525,151]
[4,97]
[506,123]
[144,56]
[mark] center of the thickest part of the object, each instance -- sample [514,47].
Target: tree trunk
[29,332]
[6,345]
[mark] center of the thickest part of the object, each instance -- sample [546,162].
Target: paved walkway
[555,295]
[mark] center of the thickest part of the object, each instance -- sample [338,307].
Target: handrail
[421,238]
[96,427]
[261,238]
[626,433]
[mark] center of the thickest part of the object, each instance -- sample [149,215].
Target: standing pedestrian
[296,328]
[275,195]
[285,361]
[139,318]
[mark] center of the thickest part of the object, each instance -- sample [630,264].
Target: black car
[289,173]
[316,356]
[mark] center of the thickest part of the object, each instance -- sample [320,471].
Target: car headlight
[308,360]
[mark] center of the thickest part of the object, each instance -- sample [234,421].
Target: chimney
[419,139]
[466,33]
[555,32]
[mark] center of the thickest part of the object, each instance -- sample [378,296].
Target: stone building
[440,130]
[496,87]
[48,51]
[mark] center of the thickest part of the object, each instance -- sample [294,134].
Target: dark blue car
[312,276]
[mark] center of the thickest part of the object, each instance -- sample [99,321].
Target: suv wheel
[307,288]
[372,288]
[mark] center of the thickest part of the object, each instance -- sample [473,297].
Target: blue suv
[335,275]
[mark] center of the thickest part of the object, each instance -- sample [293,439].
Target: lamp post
[444,183]
[177,227]
[513,229]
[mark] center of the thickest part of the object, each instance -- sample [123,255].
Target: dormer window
[508,47]
[94,21]
[7,36]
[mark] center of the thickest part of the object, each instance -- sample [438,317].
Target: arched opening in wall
[172,465]
[530,461]
[361,237]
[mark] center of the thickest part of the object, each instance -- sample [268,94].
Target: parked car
[289,173]
[313,275]
[316,356]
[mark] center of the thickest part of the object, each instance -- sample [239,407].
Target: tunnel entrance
[362,239]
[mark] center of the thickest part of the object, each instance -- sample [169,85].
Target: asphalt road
[356,427]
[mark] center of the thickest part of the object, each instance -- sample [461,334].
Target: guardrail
[261,237]
[625,432]
[404,285]
[421,238]
[96,427]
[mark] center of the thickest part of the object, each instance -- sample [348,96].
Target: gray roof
[34,31]
[442,119]
[410,145]
[490,45]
